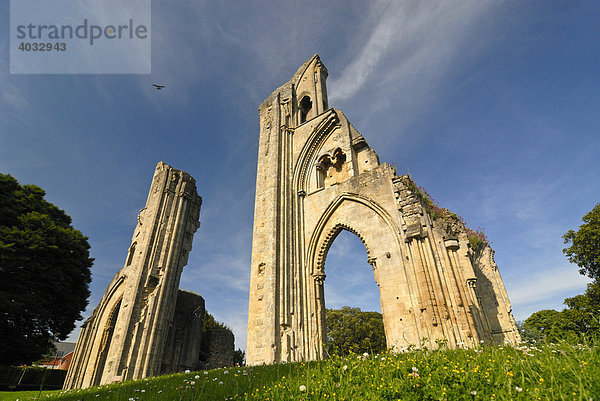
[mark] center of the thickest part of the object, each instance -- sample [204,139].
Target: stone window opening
[305,107]
[331,169]
[321,172]
[131,254]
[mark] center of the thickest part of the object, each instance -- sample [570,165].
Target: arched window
[305,106]
[131,253]
[322,167]
[332,169]
[106,339]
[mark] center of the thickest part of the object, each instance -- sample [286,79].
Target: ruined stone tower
[317,176]
[145,326]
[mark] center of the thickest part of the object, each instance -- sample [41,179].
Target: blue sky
[493,107]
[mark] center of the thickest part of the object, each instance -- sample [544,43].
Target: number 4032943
[42,47]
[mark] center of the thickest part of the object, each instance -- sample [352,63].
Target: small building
[61,357]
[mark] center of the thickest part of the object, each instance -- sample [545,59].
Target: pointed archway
[349,277]
[352,299]
[377,231]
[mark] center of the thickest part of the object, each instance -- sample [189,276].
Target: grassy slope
[559,372]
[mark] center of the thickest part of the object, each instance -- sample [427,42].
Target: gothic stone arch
[316,175]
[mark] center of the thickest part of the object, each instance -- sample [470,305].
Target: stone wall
[220,349]
[182,349]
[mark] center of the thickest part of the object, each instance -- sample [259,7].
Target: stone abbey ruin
[144,326]
[316,176]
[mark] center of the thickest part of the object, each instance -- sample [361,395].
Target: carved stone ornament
[319,278]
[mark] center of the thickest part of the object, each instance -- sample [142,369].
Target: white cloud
[547,286]
[409,40]
[390,19]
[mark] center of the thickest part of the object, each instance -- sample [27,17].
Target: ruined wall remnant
[316,176]
[220,348]
[182,347]
[142,312]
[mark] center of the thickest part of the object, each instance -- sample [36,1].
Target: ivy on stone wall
[209,324]
[477,238]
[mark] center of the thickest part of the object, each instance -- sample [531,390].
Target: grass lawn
[553,372]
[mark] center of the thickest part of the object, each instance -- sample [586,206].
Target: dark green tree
[583,312]
[584,249]
[547,325]
[44,273]
[239,357]
[350,329]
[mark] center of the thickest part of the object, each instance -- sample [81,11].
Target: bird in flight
[158,87]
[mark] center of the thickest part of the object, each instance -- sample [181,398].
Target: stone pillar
[126,335]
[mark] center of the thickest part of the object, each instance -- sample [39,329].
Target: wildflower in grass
[519,389]
[196,377]
[414,369]
[187,371]
[345,367]
[473,392]
[225,372]
[302,388]
[192,382]
[220,382]
[365,356]
[205,372]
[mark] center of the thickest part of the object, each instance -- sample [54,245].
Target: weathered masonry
[144,326]
[317,176]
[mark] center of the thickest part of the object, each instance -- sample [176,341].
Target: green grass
[555,372]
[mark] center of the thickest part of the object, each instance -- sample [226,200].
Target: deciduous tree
[584,249]
[350,329]
[44,273]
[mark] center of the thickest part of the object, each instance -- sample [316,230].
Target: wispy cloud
[14,105]
[401,64]
[229,272]
[387,21]
[547,285]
